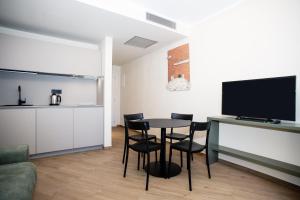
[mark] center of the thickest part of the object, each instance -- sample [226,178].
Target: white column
[106,54]
[116,91]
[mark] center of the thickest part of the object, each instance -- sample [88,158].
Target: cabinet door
[17,126]
[54,129]
[43,56]
[88,127]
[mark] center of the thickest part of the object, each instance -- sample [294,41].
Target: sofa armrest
[9,155]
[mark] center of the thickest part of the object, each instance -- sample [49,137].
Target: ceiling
[185,11]
[81,20]
[77,21]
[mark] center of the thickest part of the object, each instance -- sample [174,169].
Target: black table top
[167,123]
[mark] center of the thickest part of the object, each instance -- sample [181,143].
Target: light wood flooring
[98,175]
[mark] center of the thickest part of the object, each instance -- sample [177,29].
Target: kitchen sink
[20,102]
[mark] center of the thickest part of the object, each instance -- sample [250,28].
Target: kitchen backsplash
[37,89]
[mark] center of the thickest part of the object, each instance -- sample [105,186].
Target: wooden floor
[98,175]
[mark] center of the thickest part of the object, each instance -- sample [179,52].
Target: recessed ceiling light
[137,41]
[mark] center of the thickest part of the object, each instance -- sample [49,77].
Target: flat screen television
[269,98]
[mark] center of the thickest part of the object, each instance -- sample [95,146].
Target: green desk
[215,148]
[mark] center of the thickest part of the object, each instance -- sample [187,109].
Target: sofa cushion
[17,181]
[9,155]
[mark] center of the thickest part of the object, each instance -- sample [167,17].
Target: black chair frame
[191,147]
[144,146]
[136,138]
[182,136]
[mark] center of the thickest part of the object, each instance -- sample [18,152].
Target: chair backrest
[199,126]
[182,116]
[128,117]
[137,116]
[140,126]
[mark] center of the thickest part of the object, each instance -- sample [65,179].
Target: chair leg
[207,163]
[143,160]
[155,153]
[181,162]
[170,160]
[126,161]
[124,151]
[138,164]
[148,169]
[188,155]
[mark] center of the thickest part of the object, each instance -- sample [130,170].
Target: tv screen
[270,98]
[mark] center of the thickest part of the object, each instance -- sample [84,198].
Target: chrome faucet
[20,101]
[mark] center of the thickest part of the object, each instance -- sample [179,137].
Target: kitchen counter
[48,106]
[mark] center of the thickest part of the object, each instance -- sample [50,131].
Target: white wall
[255,39]
[37,89]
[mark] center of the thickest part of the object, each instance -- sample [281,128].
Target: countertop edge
[48,106]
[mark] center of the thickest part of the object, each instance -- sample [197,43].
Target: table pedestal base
[157,171]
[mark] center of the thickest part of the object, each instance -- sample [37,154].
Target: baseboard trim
[67,151]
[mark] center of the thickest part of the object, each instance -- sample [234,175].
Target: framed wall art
[179,68]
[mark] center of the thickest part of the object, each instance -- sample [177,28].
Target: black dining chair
[189,146]
[144,146]
[179,136]
[136,137]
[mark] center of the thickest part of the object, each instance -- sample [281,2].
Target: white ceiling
[84,20]
[77,21]
[185,11]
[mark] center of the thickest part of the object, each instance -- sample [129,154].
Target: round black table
[160,169]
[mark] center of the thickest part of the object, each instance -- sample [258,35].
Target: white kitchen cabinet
[88,127]
[42,55]
[17,126]
[54,129]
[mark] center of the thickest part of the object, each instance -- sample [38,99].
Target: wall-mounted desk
[215,148]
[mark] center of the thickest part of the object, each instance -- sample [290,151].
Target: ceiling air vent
[160,20]
[140,42]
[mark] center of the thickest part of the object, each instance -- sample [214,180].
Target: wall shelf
[50,74]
